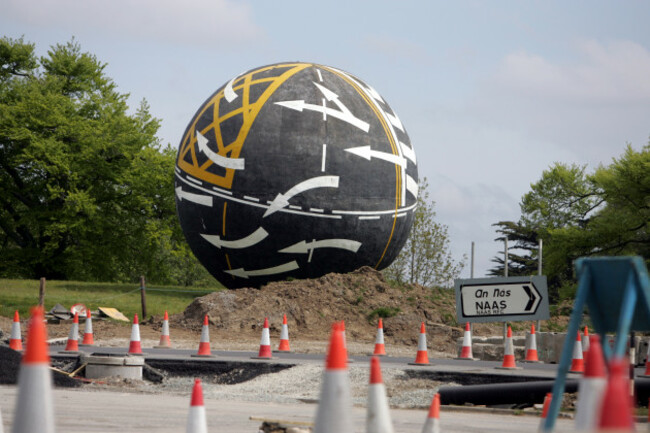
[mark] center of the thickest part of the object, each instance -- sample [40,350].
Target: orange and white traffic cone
[89,338]
[135,348]
[531,346]
[545,407]
[15,339]
[466,350]
[196,419]
[616,408]
[380,349]
[378,415]
[345,341]
[432,424]
[284,336]
[204,344]
[585,343]
[422,357]
[577,361]
[334,413]
[165,342]
[72,346]
[34,407]
[508,353]
[591,388]
[265,342]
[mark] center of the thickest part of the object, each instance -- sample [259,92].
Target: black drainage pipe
[501,393]
[521,393]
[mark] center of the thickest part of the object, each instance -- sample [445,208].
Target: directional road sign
[504,299]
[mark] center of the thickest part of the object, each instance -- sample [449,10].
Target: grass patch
[21,295]
[383,312]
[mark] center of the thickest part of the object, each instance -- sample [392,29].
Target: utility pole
[143,298]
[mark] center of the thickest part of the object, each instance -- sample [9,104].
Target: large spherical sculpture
[294,170]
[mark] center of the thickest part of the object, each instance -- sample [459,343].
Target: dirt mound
[312,305]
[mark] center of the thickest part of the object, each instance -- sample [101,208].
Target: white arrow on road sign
[500,299]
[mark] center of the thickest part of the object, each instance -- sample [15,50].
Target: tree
[425,258]
[578,214]
[86,189]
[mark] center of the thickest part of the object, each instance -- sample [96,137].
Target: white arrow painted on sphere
[201,199]
[344,114]
[222,161]
[228,91]
[412,186]
[303,247]
[282,200]
[254,238]
[367,153]
[408,152]
[243,273]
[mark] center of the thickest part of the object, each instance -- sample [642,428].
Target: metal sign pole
[539,272]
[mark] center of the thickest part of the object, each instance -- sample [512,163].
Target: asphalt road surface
[107,411]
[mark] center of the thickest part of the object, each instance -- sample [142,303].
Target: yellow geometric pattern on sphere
[249,110]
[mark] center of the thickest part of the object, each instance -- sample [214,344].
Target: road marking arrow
[367,153]
[254,238]
[304,247]
[282,200]
[201,199]
[243,273]
[228,91]
[222,161]
[344,114]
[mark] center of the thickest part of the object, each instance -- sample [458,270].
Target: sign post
[506,299]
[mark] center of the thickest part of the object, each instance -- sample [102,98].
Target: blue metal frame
[610,290]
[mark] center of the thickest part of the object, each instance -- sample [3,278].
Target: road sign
[506,299]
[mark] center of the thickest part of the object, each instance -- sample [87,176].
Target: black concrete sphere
[294,170]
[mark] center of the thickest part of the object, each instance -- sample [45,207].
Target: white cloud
[197,22]
[590,105]
[613,73]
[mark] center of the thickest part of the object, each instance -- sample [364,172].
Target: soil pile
[312,305]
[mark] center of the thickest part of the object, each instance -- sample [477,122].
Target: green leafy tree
[425,258]
[86,189]
[579,214]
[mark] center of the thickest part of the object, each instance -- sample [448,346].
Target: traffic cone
[89,339]
[616,408]
[378,415]
[577,362]
[34,408]
[508,353]
[334,413]
[135,348]
[592,387]
[422,357]
[432,424]
[345,342]
[196,420]
[165,341]
[531,346]
[585,343]
[284,336]
[72,346]
[466,350]
[265,342]
[545,407]
[204,344]
[380,349]
[16,340]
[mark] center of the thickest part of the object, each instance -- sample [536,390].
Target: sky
[491,93]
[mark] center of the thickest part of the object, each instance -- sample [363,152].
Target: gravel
[301,383]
